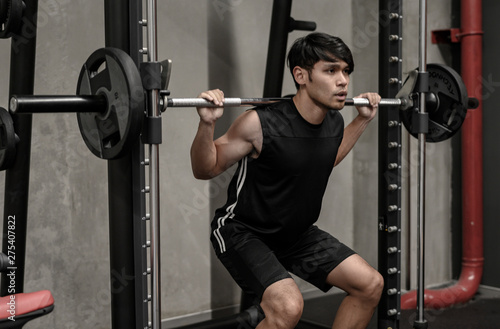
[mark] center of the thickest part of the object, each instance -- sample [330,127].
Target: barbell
[11,13]
[98,103]
[8,140]
[110,103]
[235,102]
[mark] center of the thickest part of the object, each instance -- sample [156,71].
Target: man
[285,154]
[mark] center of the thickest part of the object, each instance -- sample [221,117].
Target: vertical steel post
[276,54]
[390,139]
[154,165]
[422,68]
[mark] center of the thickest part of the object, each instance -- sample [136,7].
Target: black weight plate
[11,13]
[7,140]
[448,111]
[112,73]
[4,11]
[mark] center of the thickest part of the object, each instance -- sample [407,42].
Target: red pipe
[471,37]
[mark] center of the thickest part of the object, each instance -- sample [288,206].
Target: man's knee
[285,314]
[283,307]
[374,288]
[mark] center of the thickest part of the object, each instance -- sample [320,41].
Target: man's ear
[300,75]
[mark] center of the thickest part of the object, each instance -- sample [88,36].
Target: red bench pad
[23,303]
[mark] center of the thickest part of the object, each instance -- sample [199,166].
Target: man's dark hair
[312,48]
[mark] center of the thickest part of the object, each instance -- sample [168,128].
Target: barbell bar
[58,104]
[235,102]
[99,104]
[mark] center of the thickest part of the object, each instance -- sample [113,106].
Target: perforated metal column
[389,209]
[126,185]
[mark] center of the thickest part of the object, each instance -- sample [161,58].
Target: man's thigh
[249,260]
[314,255]
[353,274]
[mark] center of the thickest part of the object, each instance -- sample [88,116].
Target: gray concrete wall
[212,44]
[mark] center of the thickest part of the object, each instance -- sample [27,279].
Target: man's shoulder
[281,108]
[284,104]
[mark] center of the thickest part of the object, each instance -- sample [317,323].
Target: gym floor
[483,311]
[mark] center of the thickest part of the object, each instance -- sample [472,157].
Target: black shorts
[255,266]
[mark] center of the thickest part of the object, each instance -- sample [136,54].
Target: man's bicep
[230,152]
[239,141]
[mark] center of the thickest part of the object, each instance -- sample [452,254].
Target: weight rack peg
[392,229]
[392,208]
[392,250]
[392,270]
[392,187]
[393,15]
[392,166]
[392,311]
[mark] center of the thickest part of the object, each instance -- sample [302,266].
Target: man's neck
[308,109]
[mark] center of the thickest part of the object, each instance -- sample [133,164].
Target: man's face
[328,82]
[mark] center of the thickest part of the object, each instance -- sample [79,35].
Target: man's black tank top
[279,194]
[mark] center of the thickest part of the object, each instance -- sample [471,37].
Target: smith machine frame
[136,304]
[389,163]
[126,185]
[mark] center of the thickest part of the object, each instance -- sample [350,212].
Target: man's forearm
[351,135]
[203,151]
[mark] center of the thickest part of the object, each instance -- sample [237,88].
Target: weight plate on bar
[8,140]
[447,104]
[11,13]
[112,73]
